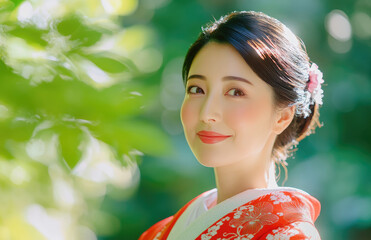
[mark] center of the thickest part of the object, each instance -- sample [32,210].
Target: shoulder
[297,210]
[294,230]
[156,229]
[294,203]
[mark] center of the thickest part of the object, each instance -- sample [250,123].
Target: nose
[211,110]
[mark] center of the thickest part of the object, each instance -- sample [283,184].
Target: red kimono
[271,214]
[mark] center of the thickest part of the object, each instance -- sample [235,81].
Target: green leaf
[7,6]
[72,26]
[107,63]
[4,130]
[126,135]
[69,26]
[70,139]
[30,34]
[145,137]
[5,152]
[16,131]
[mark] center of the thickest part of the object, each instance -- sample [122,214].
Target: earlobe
[283,119]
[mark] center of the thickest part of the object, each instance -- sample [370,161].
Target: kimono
[261,213]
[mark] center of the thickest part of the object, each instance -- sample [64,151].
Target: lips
[211,137]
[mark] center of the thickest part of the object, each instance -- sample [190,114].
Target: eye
[236,92]
[194,90]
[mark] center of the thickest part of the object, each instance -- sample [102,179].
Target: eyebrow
[226,78]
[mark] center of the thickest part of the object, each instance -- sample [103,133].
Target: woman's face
[225,97]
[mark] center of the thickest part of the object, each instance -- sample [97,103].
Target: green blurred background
[91,143]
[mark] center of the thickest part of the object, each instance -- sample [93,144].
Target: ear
[283,119]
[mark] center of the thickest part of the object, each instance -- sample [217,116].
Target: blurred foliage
[333,165]
[88,88]
[73,116]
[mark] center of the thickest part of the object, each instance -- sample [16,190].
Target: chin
[211,155]
[207,164]
[211,161]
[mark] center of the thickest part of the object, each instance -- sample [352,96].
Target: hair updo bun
[280,59]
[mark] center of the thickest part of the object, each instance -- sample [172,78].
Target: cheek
[188,114]
[251,117]
[242,115]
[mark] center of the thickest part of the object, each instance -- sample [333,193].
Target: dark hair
[279,58]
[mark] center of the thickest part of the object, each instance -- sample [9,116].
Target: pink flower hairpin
[314,84]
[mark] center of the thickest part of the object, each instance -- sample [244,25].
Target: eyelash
[190,87]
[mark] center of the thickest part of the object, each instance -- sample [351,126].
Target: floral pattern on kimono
[271,213]
[277,215]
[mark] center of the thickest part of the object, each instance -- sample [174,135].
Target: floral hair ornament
[314,84]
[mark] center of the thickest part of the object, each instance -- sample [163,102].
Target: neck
[236,178]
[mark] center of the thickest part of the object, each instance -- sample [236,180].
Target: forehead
[217,60]
[213,55]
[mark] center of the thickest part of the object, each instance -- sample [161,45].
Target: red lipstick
[211,137]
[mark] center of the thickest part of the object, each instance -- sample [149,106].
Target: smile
[211,137]
[211,140]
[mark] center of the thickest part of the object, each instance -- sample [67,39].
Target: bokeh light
[340,31]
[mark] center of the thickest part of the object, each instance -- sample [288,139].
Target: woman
[251,96]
